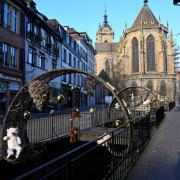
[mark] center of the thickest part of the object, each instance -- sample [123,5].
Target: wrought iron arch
[136,96]
[135,55]
[150,44]
[162,98]
[23,101]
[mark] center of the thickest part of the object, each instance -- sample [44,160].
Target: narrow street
[161,158]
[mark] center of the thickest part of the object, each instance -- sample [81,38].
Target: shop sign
[3,86]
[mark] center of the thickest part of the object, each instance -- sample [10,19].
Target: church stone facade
[144,55]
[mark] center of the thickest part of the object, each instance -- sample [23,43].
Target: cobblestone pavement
[161,158]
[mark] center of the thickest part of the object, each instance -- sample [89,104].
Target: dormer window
[152,22]
[145,22]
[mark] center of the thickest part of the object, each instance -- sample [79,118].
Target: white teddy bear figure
[13,142]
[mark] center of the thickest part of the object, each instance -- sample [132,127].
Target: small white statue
[117,106]
[13,142]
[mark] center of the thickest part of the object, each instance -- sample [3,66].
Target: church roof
[145,18]
[106,47]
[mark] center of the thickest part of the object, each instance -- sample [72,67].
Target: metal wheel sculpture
[35,93]
[136,100]
[162,98]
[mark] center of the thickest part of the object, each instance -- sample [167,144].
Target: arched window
[135,55]
[107,67]
[150,53]
[164,57]
[163,88]
[150,85]
[165,61]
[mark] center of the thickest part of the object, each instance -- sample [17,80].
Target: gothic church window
[165,61]
[150,53]
[135,55]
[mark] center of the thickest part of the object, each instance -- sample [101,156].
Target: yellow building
[144,55]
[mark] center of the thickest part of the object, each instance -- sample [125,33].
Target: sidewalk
[161,158]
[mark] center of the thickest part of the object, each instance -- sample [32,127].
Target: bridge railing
[49,127]
[109,156]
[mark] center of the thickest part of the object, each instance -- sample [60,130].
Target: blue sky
[85,15]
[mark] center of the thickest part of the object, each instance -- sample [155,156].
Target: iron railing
[50,127]
[109,156]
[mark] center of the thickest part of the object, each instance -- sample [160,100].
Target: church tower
[105,33]
[105,48]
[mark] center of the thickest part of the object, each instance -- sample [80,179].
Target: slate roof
[145,18]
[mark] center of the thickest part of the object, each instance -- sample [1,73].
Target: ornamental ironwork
[36,93]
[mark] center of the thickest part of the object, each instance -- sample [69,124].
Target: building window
[4,54]
[41,61]
[74,62]
[165,61]
[54,64]
[11,17]
[135,55]
[44,38]
[70,61]
[82,80]
[9,56]
[64,78]
[78,80]
[74,79]
[64,59]
[14,20]
[6,16]
[70,79]
[30,56]
[150,53]
[70,41]
[150,85]
[78,64]
[163,88]
[13,63]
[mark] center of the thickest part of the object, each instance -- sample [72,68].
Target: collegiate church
[142,57]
